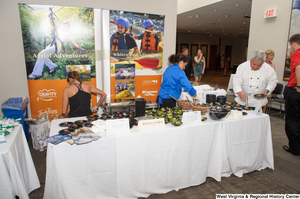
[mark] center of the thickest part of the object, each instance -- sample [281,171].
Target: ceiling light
[214,10]
[236,4]
[181,27]
[197,16]
[226,16]
[210,35]
[198,24]
[189,31]
[223,30]
[189,17]
[221,26]
[244,22]
[219,19]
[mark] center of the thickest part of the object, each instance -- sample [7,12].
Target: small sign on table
[119,126]
[191,117]
[145,125]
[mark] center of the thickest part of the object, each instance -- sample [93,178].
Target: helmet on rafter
[123,21]
[148,23]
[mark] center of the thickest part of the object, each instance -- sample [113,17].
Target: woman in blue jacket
[174,79]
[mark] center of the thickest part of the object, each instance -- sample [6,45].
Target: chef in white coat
[254,77]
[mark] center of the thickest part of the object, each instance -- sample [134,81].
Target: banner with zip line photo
[136,51]
[56,40]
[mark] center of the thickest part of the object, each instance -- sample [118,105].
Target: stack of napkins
[99,126]
[235,114]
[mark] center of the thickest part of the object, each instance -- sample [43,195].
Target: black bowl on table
[218,112]
[221,99]
[210,98]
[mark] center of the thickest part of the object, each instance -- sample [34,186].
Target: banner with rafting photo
[136,44]
[56,40]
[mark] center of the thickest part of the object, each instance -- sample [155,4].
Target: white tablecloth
[17,172]
[141,163]
[202,91]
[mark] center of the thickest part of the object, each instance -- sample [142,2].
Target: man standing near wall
[189,67]
[292,99]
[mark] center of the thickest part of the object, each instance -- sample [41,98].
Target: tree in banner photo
[56,36]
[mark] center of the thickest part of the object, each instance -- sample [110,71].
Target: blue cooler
[17,108]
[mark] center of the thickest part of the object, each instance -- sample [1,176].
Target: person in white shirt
[254,77]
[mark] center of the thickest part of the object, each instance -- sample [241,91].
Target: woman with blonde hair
[199,66]
[78,95]
[269,57]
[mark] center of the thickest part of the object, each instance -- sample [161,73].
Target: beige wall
[270,33]
[13,78]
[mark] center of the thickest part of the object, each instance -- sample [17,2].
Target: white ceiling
[227,21]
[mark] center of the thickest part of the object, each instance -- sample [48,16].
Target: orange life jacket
[115,42]
[149,42]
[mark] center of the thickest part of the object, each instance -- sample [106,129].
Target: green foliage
[36,33]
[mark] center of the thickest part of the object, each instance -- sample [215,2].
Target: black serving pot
[210,98]
[221,99]
[218,112]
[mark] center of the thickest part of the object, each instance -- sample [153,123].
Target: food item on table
[228,107]
[229,103]
[246,108]
[200,107]
[184,104]
[258,95]
[80,122]
[237,105]
[218,103]
[66,123]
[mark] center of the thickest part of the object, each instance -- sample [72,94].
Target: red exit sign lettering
[270,13]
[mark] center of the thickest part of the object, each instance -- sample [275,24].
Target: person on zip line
[149,39]
[54,47]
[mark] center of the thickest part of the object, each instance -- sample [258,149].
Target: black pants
[292,118]
[168,103]
[218,67]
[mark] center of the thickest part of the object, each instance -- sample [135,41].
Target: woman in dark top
[78,95]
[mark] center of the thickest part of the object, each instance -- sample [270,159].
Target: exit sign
[270,13]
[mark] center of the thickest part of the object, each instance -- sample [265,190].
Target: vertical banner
[56,40]
[136,44]
[294,29]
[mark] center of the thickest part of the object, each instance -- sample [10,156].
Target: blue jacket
[174,79]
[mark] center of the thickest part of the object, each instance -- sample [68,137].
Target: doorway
[212,57]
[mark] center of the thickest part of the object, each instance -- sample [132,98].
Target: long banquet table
[17,171]
[138,164]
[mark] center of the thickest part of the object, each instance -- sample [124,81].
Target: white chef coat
[253,82]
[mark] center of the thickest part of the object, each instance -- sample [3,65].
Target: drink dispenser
[140,106]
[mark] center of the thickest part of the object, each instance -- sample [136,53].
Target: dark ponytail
[177,58]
